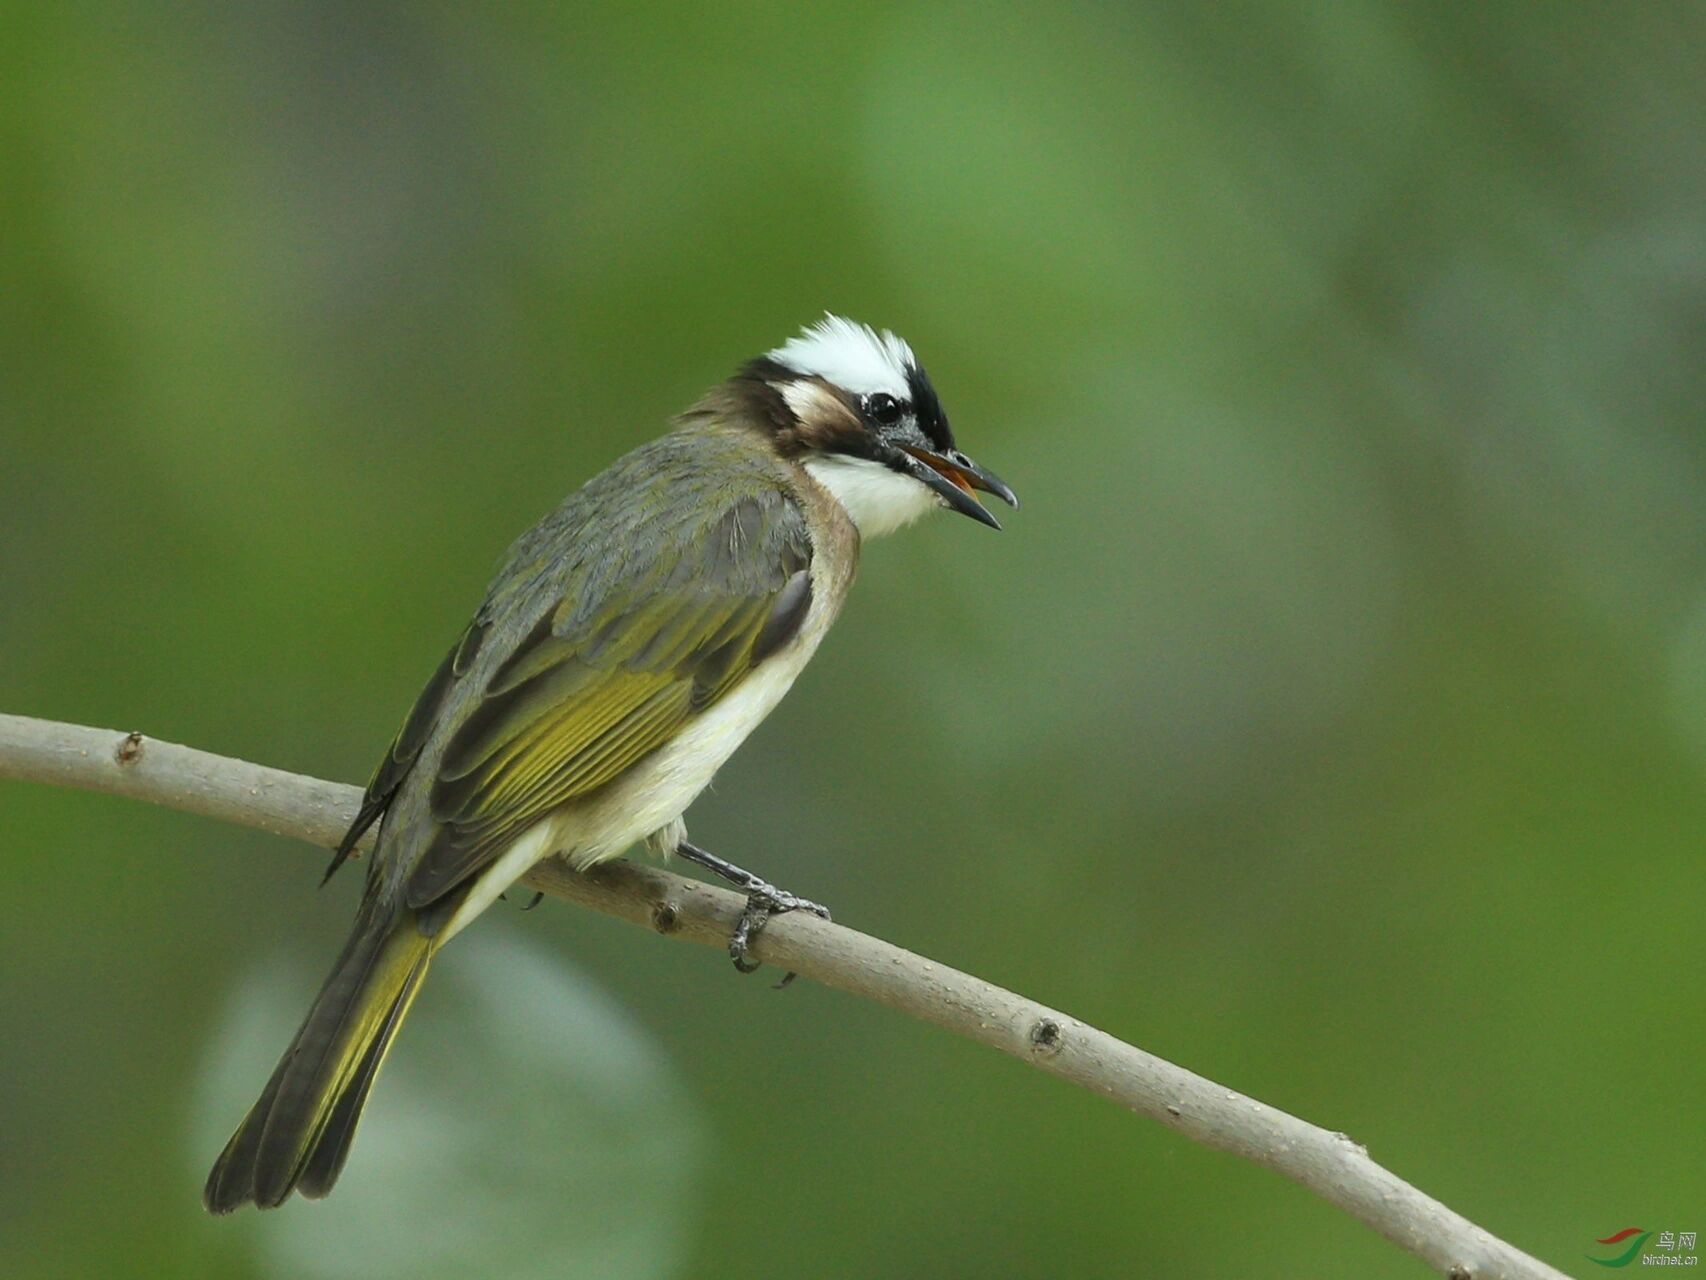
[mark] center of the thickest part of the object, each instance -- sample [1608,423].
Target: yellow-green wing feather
[590,692]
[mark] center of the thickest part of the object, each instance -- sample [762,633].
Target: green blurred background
[1332,720]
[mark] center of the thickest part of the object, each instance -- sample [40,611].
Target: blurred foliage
[1332,719]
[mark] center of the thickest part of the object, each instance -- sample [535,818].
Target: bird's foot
[763,901]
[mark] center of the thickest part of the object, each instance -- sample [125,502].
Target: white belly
[656,792]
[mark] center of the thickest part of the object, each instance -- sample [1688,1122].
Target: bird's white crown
[850,355]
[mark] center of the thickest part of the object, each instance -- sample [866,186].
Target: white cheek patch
[808,399]
[878,499]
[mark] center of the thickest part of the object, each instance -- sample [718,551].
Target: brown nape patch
[743,401]
[798,413]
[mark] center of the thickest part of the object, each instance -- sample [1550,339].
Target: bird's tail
[297,1136]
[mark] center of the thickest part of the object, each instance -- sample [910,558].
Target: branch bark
[1329,1164]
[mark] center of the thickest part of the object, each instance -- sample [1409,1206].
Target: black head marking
[927,409]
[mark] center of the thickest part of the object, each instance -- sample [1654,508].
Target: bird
[628,644]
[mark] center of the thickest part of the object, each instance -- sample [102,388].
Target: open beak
[954,477]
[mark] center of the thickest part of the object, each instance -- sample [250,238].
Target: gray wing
[639,604]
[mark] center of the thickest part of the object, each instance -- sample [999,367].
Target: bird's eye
[882,408]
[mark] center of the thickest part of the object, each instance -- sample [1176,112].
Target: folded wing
[611,671]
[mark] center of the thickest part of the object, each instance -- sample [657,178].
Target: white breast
[655,792]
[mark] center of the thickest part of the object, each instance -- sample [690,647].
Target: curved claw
[762,903]
[752,920]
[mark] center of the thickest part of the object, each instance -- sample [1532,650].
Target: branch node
[1046,1037]
[665,917]
[1459,1272]
[1349,1143]
[129,749]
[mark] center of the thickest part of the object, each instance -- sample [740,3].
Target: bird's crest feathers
[850,355]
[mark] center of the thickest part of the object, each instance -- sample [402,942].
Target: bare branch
[1329,1164]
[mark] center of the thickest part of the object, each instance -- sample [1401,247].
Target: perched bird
[630,642]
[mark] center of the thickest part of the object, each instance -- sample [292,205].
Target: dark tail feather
[296,1137]
[329,1154]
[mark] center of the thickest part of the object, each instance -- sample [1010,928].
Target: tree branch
[1329,1164]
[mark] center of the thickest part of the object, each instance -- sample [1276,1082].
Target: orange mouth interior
[956,477]
[942,467]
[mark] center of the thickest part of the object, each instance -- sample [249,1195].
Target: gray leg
[763,900]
